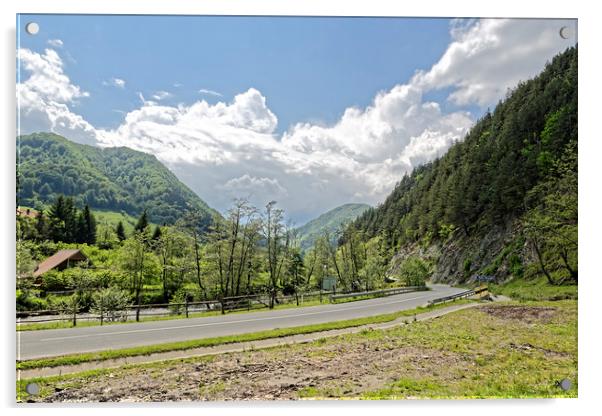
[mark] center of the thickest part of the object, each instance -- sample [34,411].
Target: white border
[589,183]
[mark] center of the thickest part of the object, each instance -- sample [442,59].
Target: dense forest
[517,165]
[115,179]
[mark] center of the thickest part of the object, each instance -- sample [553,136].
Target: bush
[111,303]
[414,271]
[179,297]
[30,301]
[54,281]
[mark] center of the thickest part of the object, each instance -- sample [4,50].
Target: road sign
[329,282]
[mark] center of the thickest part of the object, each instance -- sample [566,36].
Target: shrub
[30,301]
[111,303]
[414,271]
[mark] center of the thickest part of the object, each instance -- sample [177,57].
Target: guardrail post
[101,313]
[74,315]
[186,306]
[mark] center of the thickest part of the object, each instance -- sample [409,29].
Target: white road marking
[228,322]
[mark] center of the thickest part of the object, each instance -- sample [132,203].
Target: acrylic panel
[270,208]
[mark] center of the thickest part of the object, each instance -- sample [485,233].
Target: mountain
[497,202]
[330,222]
[113,179]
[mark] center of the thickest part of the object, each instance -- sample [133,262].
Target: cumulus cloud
[43,99]
[230,149]
[56,43]
[488,56]
[114,82]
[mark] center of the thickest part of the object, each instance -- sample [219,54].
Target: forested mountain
[116,179]
[328,222]
[501,192]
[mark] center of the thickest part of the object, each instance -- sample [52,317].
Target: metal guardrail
[378,293]
[466,294]
[161,309]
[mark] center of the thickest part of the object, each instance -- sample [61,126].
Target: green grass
[535,289]
[112,218]
[73,359]
[478,357]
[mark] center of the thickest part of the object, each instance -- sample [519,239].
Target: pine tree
[90,226]
[120,231]
[142,222]
[41,227]
[157,233]
[80,235]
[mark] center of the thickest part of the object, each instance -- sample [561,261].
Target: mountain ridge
[330,221]
[114,178]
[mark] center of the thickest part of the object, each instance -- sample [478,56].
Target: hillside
[503,202]
[330,222]
[111,179]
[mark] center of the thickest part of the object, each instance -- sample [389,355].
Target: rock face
[494,254]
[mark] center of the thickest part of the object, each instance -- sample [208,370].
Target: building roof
[57,259]
[27,212]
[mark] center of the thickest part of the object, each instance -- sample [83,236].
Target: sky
[310,112]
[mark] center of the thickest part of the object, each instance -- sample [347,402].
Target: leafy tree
[414,271]
[277,241]
[25,262]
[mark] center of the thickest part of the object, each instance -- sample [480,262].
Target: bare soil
[489,351]
[527,314]
[340,369]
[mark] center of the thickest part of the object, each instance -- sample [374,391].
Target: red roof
[57,259]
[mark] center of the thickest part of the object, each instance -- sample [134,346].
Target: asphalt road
[53,342]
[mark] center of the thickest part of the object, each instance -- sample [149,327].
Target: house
[60,260]
[27,212]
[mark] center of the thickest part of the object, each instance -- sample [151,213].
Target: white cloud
[209,92]
[56,43]
[161,95]
[489,56]
[114,82]
[43,99]
[229,149]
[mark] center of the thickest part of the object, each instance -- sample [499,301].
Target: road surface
[53,342]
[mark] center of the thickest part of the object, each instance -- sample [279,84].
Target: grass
[111,218]
[73,359]
[535,289]
[481,357]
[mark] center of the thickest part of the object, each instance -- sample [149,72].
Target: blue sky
[310,69]
[310,112]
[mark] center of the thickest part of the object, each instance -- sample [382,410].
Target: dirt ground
[347,366]
[527,314]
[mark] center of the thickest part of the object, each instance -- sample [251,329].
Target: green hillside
[503,201]
[330,222]
[111,179]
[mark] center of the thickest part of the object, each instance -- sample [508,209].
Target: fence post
[74,314]
[101,312]
[186,306]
